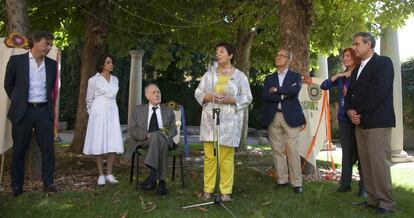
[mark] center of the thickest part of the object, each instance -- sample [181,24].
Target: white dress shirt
[361,67]
[37,81]
[158,112]
[281,76]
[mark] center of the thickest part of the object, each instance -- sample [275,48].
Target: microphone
[212,66]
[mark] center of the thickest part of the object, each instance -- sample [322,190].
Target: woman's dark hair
[39,35]
[101,61]
[229,48]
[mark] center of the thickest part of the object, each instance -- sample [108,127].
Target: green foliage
[3,16]
[179,37]
[336,21]
[69,78]
[407,78]
[161,57]
[194,26]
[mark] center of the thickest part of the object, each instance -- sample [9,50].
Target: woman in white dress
[103,135]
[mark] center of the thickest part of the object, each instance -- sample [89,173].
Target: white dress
[103,134]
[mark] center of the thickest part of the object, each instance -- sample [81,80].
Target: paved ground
[337,156]
[67,136]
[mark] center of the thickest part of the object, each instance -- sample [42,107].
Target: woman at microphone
[226,88]
[346,127]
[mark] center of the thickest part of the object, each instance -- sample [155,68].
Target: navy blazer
[372,94]
[287,95]
[16,84]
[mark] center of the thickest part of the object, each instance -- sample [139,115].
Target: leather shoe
[148,186]
[50,189]
[298,189]
[147,181]
[162,190]
[344,189]
[17,191]
[364,203]
[383,211]
[362,193]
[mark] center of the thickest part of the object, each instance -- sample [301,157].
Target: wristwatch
[274,89]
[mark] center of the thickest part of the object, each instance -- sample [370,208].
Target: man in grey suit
[153,126]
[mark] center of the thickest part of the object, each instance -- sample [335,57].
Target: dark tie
[153,125]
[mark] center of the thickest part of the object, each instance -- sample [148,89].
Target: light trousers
[285,142]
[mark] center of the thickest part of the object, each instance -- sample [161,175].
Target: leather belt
[278,110]
[37,104]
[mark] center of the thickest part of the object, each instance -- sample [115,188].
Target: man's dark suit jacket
[371,95]
[287,95]
[16,84]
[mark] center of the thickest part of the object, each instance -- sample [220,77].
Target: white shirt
[281,76]
[37,80]
[361,67]
[158,112]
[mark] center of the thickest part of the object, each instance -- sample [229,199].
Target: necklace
[225,71]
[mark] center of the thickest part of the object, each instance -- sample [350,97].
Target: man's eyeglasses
[282,56]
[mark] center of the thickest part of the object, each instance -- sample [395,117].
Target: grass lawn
[254,196]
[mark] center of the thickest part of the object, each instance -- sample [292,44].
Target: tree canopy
[179,36]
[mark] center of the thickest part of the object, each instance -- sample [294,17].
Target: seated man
[153,126]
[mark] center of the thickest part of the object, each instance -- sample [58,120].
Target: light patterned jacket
[231,115]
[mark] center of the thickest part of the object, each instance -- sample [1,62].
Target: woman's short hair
[229,48]
[100,62]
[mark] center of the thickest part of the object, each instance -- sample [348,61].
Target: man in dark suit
[369,105]
[283,117]
[29,82]
[153,125]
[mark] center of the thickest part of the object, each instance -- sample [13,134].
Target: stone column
[390,48]
[322,72]
[135,81]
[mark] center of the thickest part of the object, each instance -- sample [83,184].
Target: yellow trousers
[226,168]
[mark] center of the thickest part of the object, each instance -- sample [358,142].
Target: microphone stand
[216,136]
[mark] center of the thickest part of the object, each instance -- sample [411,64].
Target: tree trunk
[96,30]
[243,45]
[18,21]
[295,20]
[17,17]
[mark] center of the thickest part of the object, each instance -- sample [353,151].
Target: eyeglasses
[282,56]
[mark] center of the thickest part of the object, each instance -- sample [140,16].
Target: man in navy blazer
[29,82]
[369,105]
[283,117]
